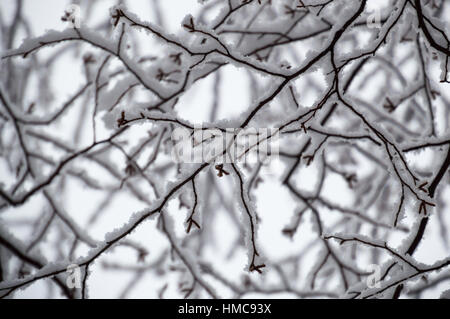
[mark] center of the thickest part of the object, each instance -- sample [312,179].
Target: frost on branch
[353,202]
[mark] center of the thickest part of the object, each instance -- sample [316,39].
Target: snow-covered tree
[350,98]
